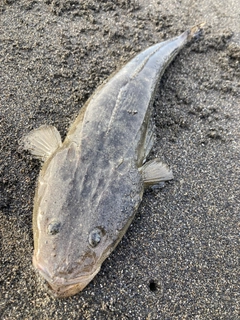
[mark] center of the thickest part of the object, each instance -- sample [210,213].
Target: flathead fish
[90,186]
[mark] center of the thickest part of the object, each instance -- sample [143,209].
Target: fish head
[68,269]
[70,242]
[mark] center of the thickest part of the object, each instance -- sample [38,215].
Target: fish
[91,184]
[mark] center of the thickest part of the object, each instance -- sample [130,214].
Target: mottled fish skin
[90,187]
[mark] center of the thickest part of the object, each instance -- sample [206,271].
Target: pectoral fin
[154,172]
[42,142]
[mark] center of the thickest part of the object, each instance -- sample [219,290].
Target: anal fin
[154,172]
[42,142]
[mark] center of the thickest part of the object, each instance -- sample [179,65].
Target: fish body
[91,185]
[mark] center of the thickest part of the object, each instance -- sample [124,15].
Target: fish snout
[61,287]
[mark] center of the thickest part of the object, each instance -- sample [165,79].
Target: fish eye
[54,227]
[95,237]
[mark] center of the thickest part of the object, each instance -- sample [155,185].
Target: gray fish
[90,186]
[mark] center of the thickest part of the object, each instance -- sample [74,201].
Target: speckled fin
[155,171]
[42,142]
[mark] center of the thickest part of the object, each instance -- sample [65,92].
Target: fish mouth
[60,287]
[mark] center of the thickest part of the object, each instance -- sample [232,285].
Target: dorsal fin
[42,142]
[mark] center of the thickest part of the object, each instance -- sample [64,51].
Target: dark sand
[180,257]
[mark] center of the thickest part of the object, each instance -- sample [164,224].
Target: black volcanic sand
[179,258]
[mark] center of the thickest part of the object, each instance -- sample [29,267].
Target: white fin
[154,172]
[42,142]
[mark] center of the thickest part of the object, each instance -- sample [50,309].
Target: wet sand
[180,257]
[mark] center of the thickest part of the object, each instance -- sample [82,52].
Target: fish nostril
[54,227]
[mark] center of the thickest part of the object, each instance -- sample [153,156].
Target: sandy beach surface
[180,257]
